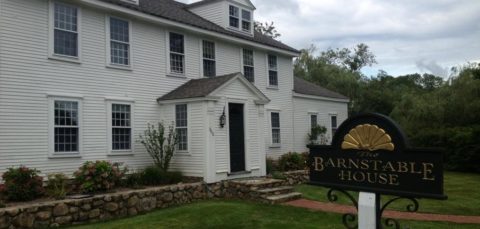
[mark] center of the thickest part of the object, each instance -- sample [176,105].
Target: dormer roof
[178,12]
[206,2]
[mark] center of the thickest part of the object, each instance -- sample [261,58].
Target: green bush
[98,176]
[57,186]
[271,165]
[22,184]
[278,175]
[134,180]
[292,161]
[154,175]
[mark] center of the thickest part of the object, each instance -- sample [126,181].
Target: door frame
[245,140]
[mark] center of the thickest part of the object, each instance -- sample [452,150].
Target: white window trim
[249,20]
[110,102]
[270,128]
[169,70]
[268,73]
[202,58]
[51,126]
[108,60]
[330,127]
[51,37]
[243,64]
[310,118]
[183,152]
[240,19]
[237,17]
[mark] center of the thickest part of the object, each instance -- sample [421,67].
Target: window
[181,125]
[275,122]
[121,127]
[246,20]
[234,16]
[333,119]
[119,41]
[313,120]
[66,126]
[272,71]
[177,53]
[248,67]
[65,30]
[209,59]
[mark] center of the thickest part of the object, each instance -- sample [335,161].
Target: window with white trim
[234,16]
[313,120]
[65,30]
[275,123]
[272,71]
[121,124]
[333,121]
[66,126]
[248,65]
[246,20]
[181,126]
[119,31]
[209,68]
[177,53]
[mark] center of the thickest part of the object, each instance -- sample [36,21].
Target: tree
[354,60]
[267,29]
[159,144]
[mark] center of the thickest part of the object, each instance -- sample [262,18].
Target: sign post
[370,154]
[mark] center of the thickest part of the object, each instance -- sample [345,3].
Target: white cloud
[401,33]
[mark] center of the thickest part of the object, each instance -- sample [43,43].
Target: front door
[237,137]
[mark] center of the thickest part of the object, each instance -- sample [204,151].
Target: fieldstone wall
[296,177]
[100,207]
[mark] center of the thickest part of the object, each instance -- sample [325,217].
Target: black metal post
[378,211]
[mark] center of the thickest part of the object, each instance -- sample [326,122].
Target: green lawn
[236,214]
[462,190]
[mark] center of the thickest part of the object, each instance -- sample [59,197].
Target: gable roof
[178,12]
[200,88]
[304,87]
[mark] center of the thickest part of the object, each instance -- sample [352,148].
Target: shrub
[98,176]
[292,161]
[134,180]
[173,177]
[159,144]
[317,135]
[271,165]
[22,184]
[278,175]
[57,186]
[152,175]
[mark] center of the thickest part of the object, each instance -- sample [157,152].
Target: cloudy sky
[407,36]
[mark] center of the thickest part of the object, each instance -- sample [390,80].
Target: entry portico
[226,116]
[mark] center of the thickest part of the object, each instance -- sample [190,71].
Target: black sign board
[370,153]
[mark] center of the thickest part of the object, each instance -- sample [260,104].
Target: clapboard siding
[304,107]
[214,12]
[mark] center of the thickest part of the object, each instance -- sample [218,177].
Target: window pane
[246,15]
[247,57]
[234,22]
[233,11]
[181,115]
[313,120]
[121,138]
[66,139]
[119,53]
[176,43]
[182,139]
[65,43]
[209,68]
[65,17]
[275,120]
[208,50]
[273,78]
[66,113]
[121,115]
[276,136]
[249,73]
[246,25]
[272,62]
[334,121]
[176,63]
[119,30]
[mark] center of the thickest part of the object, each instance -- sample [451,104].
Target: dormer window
[246,20]
[234,16]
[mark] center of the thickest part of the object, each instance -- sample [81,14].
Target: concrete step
[275,191]
[282,198]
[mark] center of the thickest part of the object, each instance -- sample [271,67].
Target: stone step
[282,198]
[275,191]
[256,184]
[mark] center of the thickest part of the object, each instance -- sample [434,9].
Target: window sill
[272,88]
[182,153]
[120,153]
[63,156]
[69,59]
[120,67]
[275,146]
[182,76]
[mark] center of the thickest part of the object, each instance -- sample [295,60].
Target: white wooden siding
[304,107]
[214,12]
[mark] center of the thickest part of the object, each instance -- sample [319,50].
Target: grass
[461,189]
[236,214]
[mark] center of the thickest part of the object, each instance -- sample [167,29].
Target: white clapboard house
[81,79]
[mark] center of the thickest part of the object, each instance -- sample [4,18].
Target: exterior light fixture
[223,118]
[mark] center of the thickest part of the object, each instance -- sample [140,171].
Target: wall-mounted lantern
[223,118]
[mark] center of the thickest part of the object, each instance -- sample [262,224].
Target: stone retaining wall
[296,177]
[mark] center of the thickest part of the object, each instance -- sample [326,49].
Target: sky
[406,36]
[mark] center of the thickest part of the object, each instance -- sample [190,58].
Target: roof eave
[316,97]
[187,100]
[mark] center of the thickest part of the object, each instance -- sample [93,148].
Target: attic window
[246,20]
[234,16]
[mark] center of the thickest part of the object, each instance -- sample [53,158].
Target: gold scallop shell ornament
[368,137]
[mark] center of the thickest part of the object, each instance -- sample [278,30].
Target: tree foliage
[160,144]
[266,28]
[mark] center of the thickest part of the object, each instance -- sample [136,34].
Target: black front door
[237,137]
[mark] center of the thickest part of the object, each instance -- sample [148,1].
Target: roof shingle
[302,86]
[178,12]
